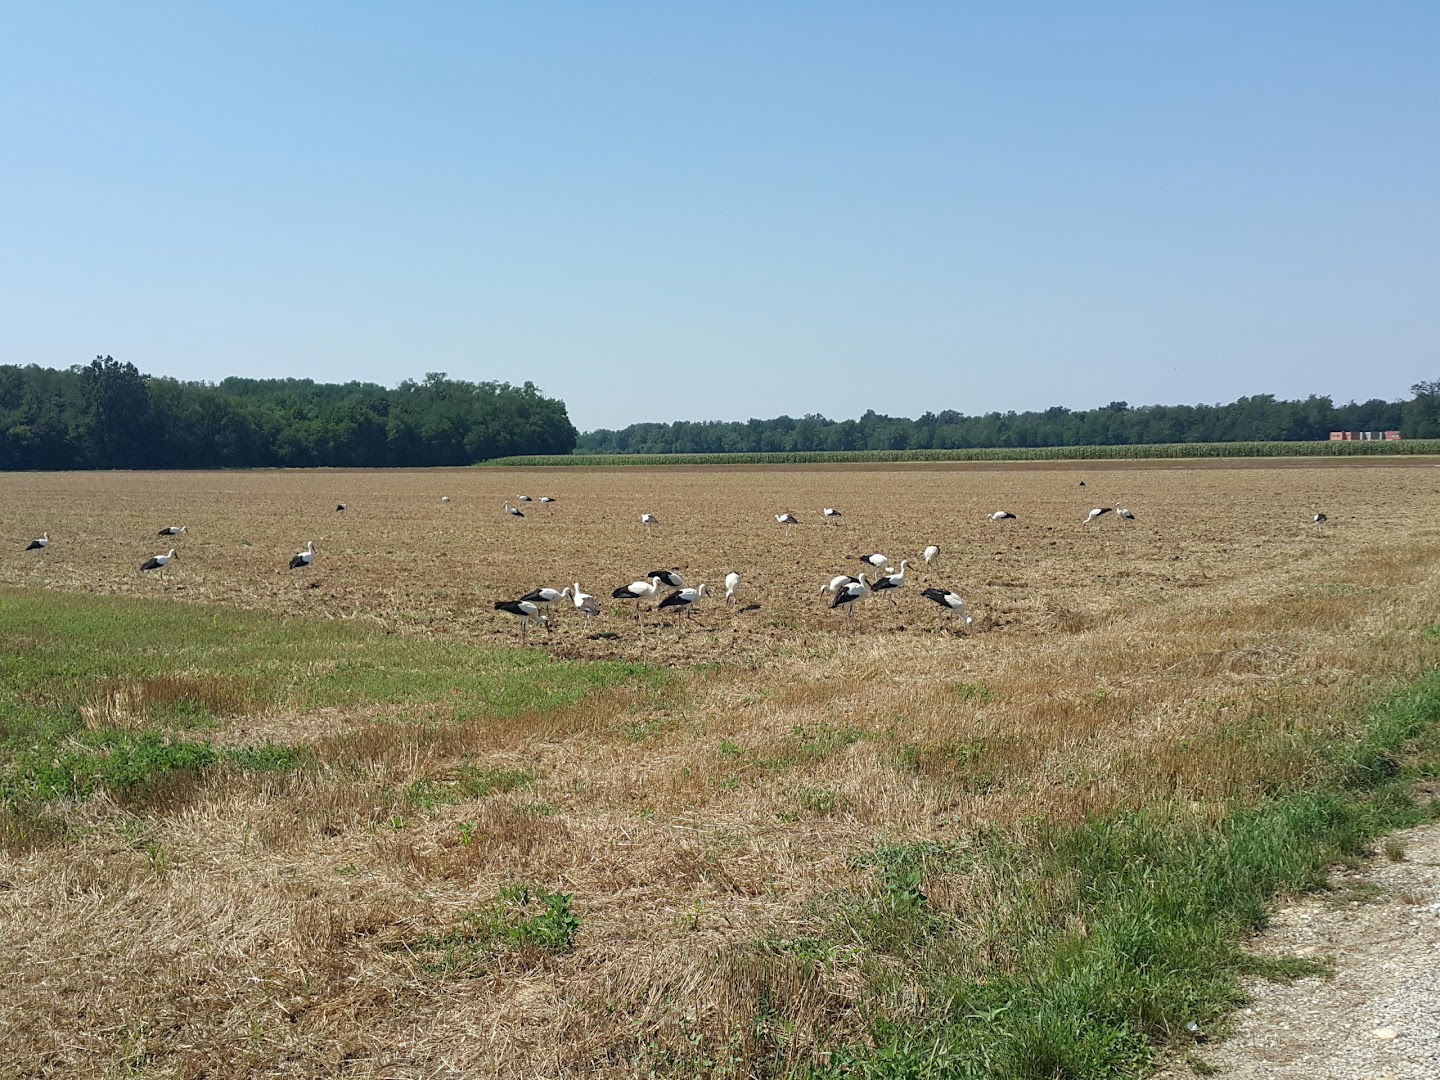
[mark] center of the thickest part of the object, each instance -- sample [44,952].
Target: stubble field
[723,833]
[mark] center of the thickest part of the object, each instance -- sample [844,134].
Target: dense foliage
[1259,418]
[108,415]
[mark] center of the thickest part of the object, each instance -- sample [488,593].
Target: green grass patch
[1018,453]
[522,920]
[95,691]
[1112,935]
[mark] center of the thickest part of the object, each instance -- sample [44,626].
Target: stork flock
[845,591]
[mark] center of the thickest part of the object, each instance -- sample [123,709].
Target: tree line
[1260,418]
[109,415]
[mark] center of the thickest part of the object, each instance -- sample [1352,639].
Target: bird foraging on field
[172,530]
[1099,511]
[637,591]
[546,500]
[339,507]
[1002,515]
[584,602]
[512,511]
[848,595]
[546,597]
[649,521]
[831,514]
[1124,513]
[158,562]
[525,611]
[788,520]
[668,577]
[522,498]
[930,554]
[39,544]
[444,498]
[950,601]
[683,599]
[732,586]
[303,559]
[836,583]
[890,580]
[877,560]
[1319,520]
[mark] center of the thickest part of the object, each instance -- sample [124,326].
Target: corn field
[1028,453]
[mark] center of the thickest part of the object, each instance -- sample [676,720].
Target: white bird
[637,591]
[526,611]
[303,559]
[831,514]
[584,602]
[444,498]
[546,597]
[1126,514]
[930,554]
[877,560]
[547,499]
[1319,519]
[648,520]
[1097,512]
[684,599]
[949,601]
[849,594]
[522,498]
[172,530]
[158,562]
[1001,515]
[40,544]
[732,586]
[890,581]
[787,518]
[512,511]
[339,507]
[668,577]
[836,583]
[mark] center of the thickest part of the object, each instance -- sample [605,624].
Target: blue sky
[675,210]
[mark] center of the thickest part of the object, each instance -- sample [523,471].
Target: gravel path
[1379,1016]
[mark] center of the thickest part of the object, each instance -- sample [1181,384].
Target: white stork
[950,601]
[172,530]
[683,599]
[637,591]
[39,544]
[526,611]
[668,577]
[836,583]
[511,510]
[303,559]
[1002,515]
[546,597]
[849,594]
[787,519]
[522,498]
[1099,511]
[877,560]
[444,498]
[546,500]
[890,581]
[339,507]
[584,602]
[158,562]
[1126,514]
[831,514]
[1319,520]
[732,586]
[649,521]
[930,554]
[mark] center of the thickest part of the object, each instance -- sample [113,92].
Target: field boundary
[1139,451]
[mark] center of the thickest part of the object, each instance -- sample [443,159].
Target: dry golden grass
[277,925]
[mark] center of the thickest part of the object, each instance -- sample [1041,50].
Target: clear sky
[676,210]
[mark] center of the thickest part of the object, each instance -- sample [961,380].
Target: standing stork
[950,601]
[303,559]
[649,521]
[1099,511]
[39,544]
[584,602]
[930,554]
[877,560]
[831,514]
[157,562]
[1002,515]
[637,591]
[546,597]
[732,586]
[444,498]
[546,500]
[890,581]
[668,577]
[1319,520]
[789,520]
[1122,512]
[525,611]
[849,594]
[172,530]
[511,510]
[684,599]
[522,498]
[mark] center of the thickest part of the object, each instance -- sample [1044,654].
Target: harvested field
[736,844]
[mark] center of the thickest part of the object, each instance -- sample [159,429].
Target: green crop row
[1029,453]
